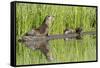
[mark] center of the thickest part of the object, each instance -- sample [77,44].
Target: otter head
[79,30]
[49,19]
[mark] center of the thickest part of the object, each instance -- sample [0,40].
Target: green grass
[30,16]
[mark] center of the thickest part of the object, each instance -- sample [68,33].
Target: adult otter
[71,31]
[43,29]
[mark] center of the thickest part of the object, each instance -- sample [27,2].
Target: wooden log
[51,37]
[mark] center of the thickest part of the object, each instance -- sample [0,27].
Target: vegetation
[30,16]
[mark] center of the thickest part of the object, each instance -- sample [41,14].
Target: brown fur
[43,29]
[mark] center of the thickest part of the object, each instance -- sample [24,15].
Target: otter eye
[48,16]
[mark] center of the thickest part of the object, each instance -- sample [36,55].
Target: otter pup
[43,29]
[68,31]
[71,31]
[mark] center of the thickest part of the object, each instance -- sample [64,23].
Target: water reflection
[72,46]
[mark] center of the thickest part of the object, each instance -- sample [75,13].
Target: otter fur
[68,31]
[43,29]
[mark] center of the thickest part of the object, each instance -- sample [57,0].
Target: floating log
[51,37]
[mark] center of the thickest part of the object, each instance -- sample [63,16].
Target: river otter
[43,29]
[71,31]
[68,31]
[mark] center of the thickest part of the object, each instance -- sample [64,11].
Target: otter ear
[50,16]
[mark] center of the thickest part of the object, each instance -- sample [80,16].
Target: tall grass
[30,16]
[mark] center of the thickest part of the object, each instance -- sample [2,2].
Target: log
[52,37]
